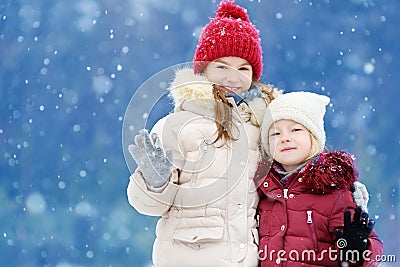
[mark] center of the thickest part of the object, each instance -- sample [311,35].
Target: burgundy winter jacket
[297,220]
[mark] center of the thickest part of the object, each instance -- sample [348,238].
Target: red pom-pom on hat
[229,9]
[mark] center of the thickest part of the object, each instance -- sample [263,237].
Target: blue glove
[152,162]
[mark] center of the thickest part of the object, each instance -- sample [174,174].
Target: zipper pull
[258,220]
[309,219]
[285,190]
[206,142]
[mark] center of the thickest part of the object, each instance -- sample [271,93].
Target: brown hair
[269,92]
[223,109]
[223,115]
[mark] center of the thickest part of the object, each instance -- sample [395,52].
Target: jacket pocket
[198,235]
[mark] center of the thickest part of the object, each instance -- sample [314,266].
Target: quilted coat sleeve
[148,202]
[375,247]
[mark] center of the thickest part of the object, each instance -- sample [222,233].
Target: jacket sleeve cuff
[148,202]
[172,178]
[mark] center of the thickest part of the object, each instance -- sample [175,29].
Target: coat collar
[191,87]
[326,173]
[193,92]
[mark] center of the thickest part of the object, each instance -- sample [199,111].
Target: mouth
[286,149]
[232,90]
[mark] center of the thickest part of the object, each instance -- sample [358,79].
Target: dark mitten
[355,233]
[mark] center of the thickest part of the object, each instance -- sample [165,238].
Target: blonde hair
[316,147]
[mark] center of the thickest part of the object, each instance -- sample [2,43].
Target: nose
[232,75]
[285,137]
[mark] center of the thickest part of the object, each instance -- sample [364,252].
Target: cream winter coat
[208,208]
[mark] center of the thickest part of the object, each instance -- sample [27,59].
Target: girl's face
[289,143]
[233,73]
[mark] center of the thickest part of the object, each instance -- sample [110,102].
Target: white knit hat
[305,108]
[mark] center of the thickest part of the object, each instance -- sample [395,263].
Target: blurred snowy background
[69,69]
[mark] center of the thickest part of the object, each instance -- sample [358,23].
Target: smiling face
[233,73]
[290,143]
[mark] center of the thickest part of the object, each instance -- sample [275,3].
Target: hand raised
[355,232]
[152,162]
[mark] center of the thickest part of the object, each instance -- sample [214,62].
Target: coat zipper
[312,229]
[285,195]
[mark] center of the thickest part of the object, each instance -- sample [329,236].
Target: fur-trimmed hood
[327,172]
[189,86]
[330,171]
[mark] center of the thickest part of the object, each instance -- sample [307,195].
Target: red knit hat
[229,34]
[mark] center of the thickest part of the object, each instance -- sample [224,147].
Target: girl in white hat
[306,195]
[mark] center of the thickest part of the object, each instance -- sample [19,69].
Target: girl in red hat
[196,166]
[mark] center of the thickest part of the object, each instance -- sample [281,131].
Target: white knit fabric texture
[305,108]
